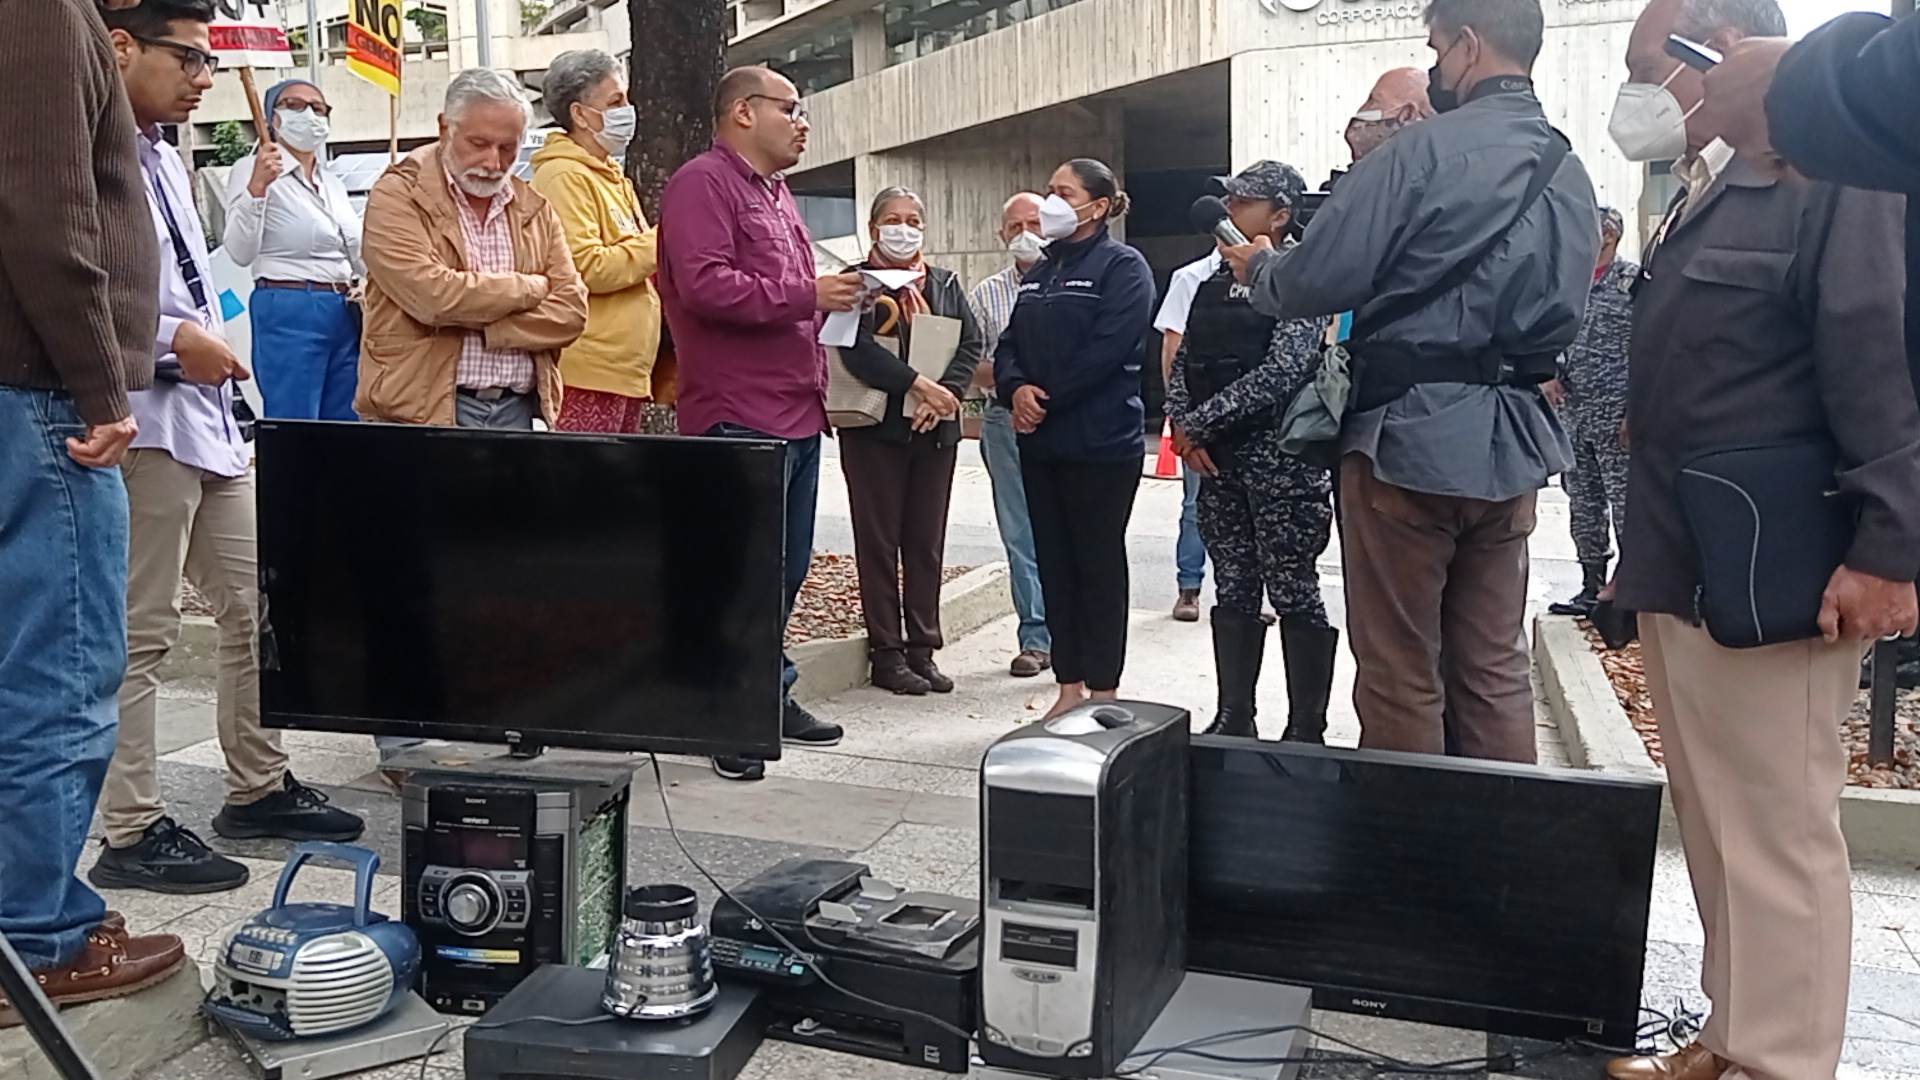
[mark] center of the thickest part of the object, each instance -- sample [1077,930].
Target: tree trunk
[679,54]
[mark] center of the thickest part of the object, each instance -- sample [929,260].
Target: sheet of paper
[891,279]
[841,328]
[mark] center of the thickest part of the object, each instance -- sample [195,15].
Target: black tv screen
[1484,895]
[615,593]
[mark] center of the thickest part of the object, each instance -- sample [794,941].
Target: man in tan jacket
[471,292]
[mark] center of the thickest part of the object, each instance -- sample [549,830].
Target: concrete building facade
[967,101]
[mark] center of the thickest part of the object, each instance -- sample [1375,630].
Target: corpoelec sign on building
[1337,12]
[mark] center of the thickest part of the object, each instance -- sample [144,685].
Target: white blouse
[297,232]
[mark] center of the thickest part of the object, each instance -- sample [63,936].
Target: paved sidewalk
[901,795]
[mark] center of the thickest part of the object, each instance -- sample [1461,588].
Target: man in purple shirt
[738,284]
[191,498]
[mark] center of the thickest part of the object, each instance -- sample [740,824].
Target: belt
[304,286]
[491,393]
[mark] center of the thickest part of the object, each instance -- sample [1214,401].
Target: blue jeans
[1000,447]
[63,652]
[803,498]
[306,353]
[1189,553]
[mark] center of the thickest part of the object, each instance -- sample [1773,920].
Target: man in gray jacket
[1447,440]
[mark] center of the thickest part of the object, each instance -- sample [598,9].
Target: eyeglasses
[192,61]
[790,106]
[318,108]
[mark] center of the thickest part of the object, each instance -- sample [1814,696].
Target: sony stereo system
[507,873]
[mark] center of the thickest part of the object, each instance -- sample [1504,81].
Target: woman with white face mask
[289,221]
[1069,368]
[608,372]
[900,470]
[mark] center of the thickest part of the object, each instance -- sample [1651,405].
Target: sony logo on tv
[1368,1003]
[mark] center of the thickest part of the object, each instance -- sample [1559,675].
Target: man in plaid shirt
[474,339]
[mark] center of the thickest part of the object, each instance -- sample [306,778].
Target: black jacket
[1842,110]
[1842,104]
[879,368]
[1077,333]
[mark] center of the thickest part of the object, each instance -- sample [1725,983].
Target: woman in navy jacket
[1069,368]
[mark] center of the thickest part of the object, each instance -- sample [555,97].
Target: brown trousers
[1436,613]
[192,522]
[1755,767]
[899,495]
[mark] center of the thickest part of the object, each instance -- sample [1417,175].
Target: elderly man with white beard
[471,291]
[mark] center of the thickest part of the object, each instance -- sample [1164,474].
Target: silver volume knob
[472,905]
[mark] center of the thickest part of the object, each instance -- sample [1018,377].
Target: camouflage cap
[1273,180]
[1612,222]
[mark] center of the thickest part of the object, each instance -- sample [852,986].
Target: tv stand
[521,761]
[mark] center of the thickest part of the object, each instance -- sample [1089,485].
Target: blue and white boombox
[300,970]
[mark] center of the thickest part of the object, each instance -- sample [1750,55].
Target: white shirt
[297,232]
[1181,288]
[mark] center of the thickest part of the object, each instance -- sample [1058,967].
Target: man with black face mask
[1466,246]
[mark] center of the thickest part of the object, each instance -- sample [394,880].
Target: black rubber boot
[1239,645]
[1593,578]
[1309,650]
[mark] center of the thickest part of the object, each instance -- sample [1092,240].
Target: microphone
[1209,215]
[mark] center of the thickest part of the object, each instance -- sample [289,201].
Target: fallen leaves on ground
[1625,670]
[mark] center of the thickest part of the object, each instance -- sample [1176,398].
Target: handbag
[1769,526]
[1311,426]
[850,402]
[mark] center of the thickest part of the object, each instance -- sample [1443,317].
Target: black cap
[662,903]
[1274,180]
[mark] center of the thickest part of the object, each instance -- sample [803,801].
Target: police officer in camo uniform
[1591,392]
[1264,514]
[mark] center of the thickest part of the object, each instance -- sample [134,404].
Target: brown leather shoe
[1693,1062]
[113,964]
[1030,662]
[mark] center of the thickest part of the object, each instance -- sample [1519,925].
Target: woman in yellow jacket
[608,372]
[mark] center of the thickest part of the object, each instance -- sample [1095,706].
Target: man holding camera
[1466,245]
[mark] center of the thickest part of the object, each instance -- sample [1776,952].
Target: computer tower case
[1084,886]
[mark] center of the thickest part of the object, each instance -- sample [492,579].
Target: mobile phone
[1693,54]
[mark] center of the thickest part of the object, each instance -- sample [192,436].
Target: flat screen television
[612,593]
[1483,895]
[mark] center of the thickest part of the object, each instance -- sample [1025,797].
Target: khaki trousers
[1436,611]
[1755,767]
[191,521]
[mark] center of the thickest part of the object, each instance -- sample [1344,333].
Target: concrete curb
[122,1038]
[1881,826]
[837,665]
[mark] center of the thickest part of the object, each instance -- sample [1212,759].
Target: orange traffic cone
[1167,465]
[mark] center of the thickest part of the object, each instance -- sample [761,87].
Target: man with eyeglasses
[737,280]
[77,314]
[192,510]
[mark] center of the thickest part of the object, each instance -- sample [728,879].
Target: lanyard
[182,254]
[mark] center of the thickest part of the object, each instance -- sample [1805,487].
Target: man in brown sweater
[78,312]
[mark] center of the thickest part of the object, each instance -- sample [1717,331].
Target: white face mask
[302,129]
[1648,123]
[1026,247]
[617,126]
[901,242]
[1059,218]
